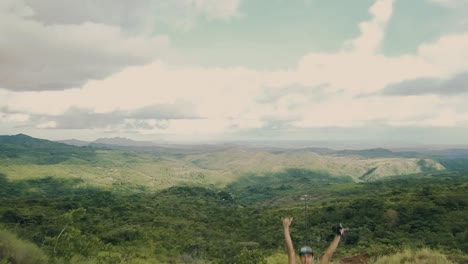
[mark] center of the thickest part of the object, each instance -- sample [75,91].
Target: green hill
[128,205]
[24,157]
[24,149]
[243,161]
[188,224]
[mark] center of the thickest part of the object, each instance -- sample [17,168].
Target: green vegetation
[64,204]
[189,224]
[422,256]
[24,149]
[14,250]
[271,187]
[24,157]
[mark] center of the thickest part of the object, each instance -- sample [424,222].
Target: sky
[364,71]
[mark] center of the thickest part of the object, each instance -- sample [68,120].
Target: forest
[67,204]
[53,220]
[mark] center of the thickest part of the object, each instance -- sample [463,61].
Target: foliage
[248,256]
[258,188]
[410,256]
[76,223]
[24,157]
[15,250]
[71,240]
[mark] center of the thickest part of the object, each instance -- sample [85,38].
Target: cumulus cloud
[275,122]
[274,94]
[177,110]
[42,49]
[148,117]
[359,69]
[230,99]
[322,91]
[372,32]
[36,56]
[456,85]
[135,16]
[76,118]
[356,72]
[447,54]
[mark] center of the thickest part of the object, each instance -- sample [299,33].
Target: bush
[15,250]
[277,258]
[252,256]
[409,256]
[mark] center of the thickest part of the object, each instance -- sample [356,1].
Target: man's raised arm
[287,238]
[332,248]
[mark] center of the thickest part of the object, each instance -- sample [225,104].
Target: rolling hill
[23,157]
[99,203]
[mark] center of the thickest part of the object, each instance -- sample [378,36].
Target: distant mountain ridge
[26,149]
[115,141]
[25,140]
[120,141]
[74,142]
[450,151]
[377,152]
[22,140]
[162,165]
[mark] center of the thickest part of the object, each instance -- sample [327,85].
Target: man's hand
[343,230]
[339,229]
[287,222]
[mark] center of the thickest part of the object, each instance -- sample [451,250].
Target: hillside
[188,224]
[24,157]
[243,161]
[24,149]
[97,204]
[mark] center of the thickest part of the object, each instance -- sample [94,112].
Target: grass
[407,256]
[411,256]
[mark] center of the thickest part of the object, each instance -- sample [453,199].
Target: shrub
[15,250]
[410,256]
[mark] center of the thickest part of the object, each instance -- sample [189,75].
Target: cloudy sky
[196,70]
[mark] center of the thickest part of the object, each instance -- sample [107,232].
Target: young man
[305,253]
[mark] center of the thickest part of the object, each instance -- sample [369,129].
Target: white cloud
[359,69]
[47,125]
[323,91]
[141,16]
[449,54]
[43,49]
[227,98]
[36,56]
[372,32]
[14,118]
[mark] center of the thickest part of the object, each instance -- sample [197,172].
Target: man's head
[306,254]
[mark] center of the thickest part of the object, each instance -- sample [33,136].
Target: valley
[187,204]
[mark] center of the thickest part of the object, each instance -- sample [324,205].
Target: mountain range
[120,161]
